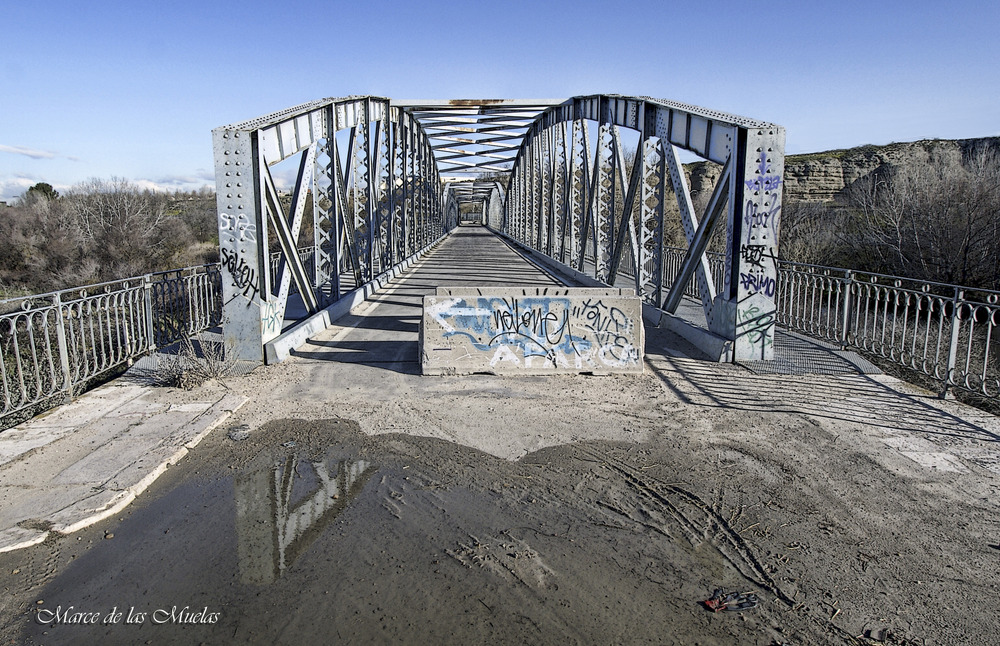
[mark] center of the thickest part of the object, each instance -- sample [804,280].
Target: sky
[133,89]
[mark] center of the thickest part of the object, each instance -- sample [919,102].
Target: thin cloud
[183,180]
[27,152]
[171,183]
[11,188]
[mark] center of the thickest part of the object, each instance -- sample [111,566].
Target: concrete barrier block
[505,292]
[513,330]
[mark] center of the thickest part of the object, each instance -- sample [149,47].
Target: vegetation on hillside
[101,230]
[911,218]
[937,222]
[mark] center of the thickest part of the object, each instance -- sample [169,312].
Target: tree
[937,221]
[42,247]
[41,190]
[809,233]
[122,223]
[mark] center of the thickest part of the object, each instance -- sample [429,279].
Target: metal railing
[307,256]
[52,344]
[946,332]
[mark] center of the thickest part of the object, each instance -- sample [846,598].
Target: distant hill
[824,176]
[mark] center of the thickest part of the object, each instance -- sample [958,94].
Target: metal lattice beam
[562,184]
[491,128]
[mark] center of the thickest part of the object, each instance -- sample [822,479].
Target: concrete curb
[90,459]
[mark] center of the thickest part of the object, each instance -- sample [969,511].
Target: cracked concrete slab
[90,458]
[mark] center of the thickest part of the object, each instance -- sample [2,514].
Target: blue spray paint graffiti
[516,329]
[764,181]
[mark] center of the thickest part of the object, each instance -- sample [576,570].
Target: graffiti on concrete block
[554,332]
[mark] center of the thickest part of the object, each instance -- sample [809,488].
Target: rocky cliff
[823,177]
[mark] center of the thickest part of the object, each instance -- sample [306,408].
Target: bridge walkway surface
[384,332]
[690,476]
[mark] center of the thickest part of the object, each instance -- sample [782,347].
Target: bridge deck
[483,492]
[384,331]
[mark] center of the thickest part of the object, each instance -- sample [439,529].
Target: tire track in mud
[701,523]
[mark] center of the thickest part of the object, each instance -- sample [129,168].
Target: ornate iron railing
[946,332]
[52,344]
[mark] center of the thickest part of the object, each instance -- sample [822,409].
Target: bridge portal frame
[568,198]
[378,199]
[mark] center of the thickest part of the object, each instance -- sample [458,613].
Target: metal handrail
[944,331]
[52,344]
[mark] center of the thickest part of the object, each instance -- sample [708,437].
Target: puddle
[182,562]
[285,502]
[309,532]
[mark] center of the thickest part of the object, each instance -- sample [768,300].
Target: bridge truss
[385,180]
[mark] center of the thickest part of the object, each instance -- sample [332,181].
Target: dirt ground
[371,505]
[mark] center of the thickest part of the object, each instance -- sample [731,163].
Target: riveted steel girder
[615,205]
[562,183]
[375,201]
[490,130]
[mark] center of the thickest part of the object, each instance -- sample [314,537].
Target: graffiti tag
[757,283]
[764,182]
[244,276]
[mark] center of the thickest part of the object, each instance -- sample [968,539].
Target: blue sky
[133,89]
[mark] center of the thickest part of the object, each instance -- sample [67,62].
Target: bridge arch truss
[386,180]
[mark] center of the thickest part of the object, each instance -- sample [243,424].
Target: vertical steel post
[652,201]
[242,241]
[67,381]
[848,284]
[953,344]
[147,302]
[755,210]
[603,200]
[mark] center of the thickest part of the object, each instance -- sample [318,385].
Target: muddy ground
[370,505]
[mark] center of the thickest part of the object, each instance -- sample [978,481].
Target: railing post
[147,299]
[846,316]
[67,385]
[949,375]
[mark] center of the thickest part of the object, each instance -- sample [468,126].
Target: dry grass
[193,366]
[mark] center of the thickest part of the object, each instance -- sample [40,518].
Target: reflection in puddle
[284,502]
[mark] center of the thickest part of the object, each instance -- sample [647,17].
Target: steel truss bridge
[588,181]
